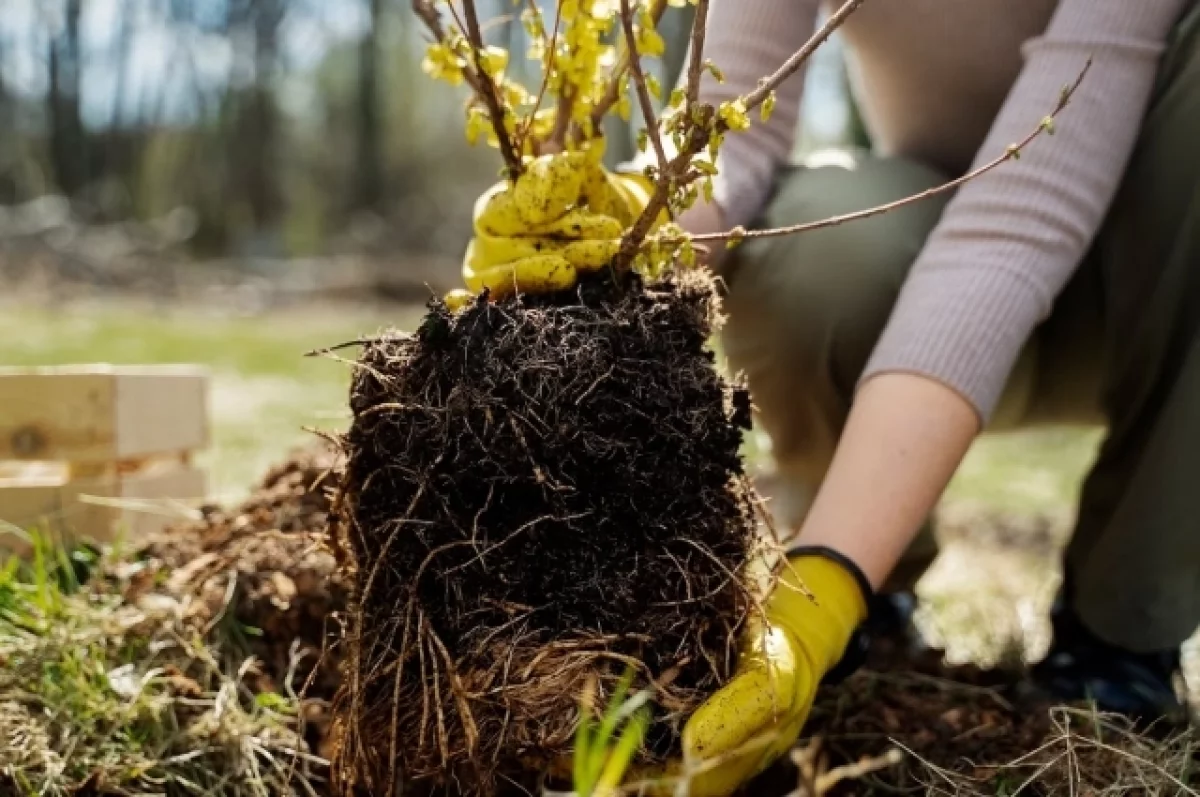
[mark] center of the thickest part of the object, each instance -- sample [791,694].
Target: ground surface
[984,598]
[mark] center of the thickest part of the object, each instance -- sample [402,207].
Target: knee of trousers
[804,311]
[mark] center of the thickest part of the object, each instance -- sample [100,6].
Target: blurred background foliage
[266,128]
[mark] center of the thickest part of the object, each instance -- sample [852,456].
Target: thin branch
[562,119]
[701,123]
[639,81]
[801,56]
[1011,153]
[550,43]
[429,15]
[483,86]
[487,91]
[696,65]
[496,22]
[613,93]
[695,140]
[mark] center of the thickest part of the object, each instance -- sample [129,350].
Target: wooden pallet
[93,452]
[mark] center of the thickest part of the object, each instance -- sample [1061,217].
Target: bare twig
[701,122]
[562,121]
[659,200]
[639,82]
[1011,153]
[696,65]
[487,91]
[551,46]
[801,56]
[618,77]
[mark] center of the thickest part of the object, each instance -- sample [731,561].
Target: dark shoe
[890,614]
[895,639]
[1082,667]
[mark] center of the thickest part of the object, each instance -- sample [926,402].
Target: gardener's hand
[758,715]
[564,215]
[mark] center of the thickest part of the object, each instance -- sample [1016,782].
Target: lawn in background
[265,391]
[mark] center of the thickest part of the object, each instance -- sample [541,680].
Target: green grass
[264,390]
[98,692]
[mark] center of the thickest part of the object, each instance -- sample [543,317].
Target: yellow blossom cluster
[584,61]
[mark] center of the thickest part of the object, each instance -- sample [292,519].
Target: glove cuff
[860,641]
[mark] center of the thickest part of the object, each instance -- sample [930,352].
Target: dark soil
[538,492]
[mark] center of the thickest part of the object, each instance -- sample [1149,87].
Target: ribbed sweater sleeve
[1009,241]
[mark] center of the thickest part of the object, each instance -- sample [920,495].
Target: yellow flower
[443,63]
[733,114]
[478,124]
[494,60]
[768,106]
[649,43]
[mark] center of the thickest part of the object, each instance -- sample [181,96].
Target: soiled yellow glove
[758,715]
[564,215]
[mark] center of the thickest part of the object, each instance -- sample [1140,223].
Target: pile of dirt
[960,730]
[263,576]
[539,493]
[907,723]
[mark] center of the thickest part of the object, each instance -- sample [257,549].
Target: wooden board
[102,413]
[114,508]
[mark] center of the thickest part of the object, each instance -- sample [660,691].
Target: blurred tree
[289,127]
[68,141]
[370,187]
[856,129]
[254,118]
[8,187]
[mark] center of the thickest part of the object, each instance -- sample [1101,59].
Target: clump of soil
[262,574]
[538,492]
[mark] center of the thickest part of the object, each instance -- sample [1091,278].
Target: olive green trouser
[1121,348]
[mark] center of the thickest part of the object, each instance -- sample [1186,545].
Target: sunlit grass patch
[113,694]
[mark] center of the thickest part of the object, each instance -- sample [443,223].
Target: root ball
[539,493]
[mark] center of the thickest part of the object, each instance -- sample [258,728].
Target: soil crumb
[539,493]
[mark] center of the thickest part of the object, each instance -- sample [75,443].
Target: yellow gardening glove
[758,715]
[563,216]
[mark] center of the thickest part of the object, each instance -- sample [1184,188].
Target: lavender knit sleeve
[1008,242]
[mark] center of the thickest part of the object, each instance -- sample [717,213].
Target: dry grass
[101,696]
[1085,753]
[912,733]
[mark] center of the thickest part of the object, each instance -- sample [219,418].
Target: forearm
[905,437]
